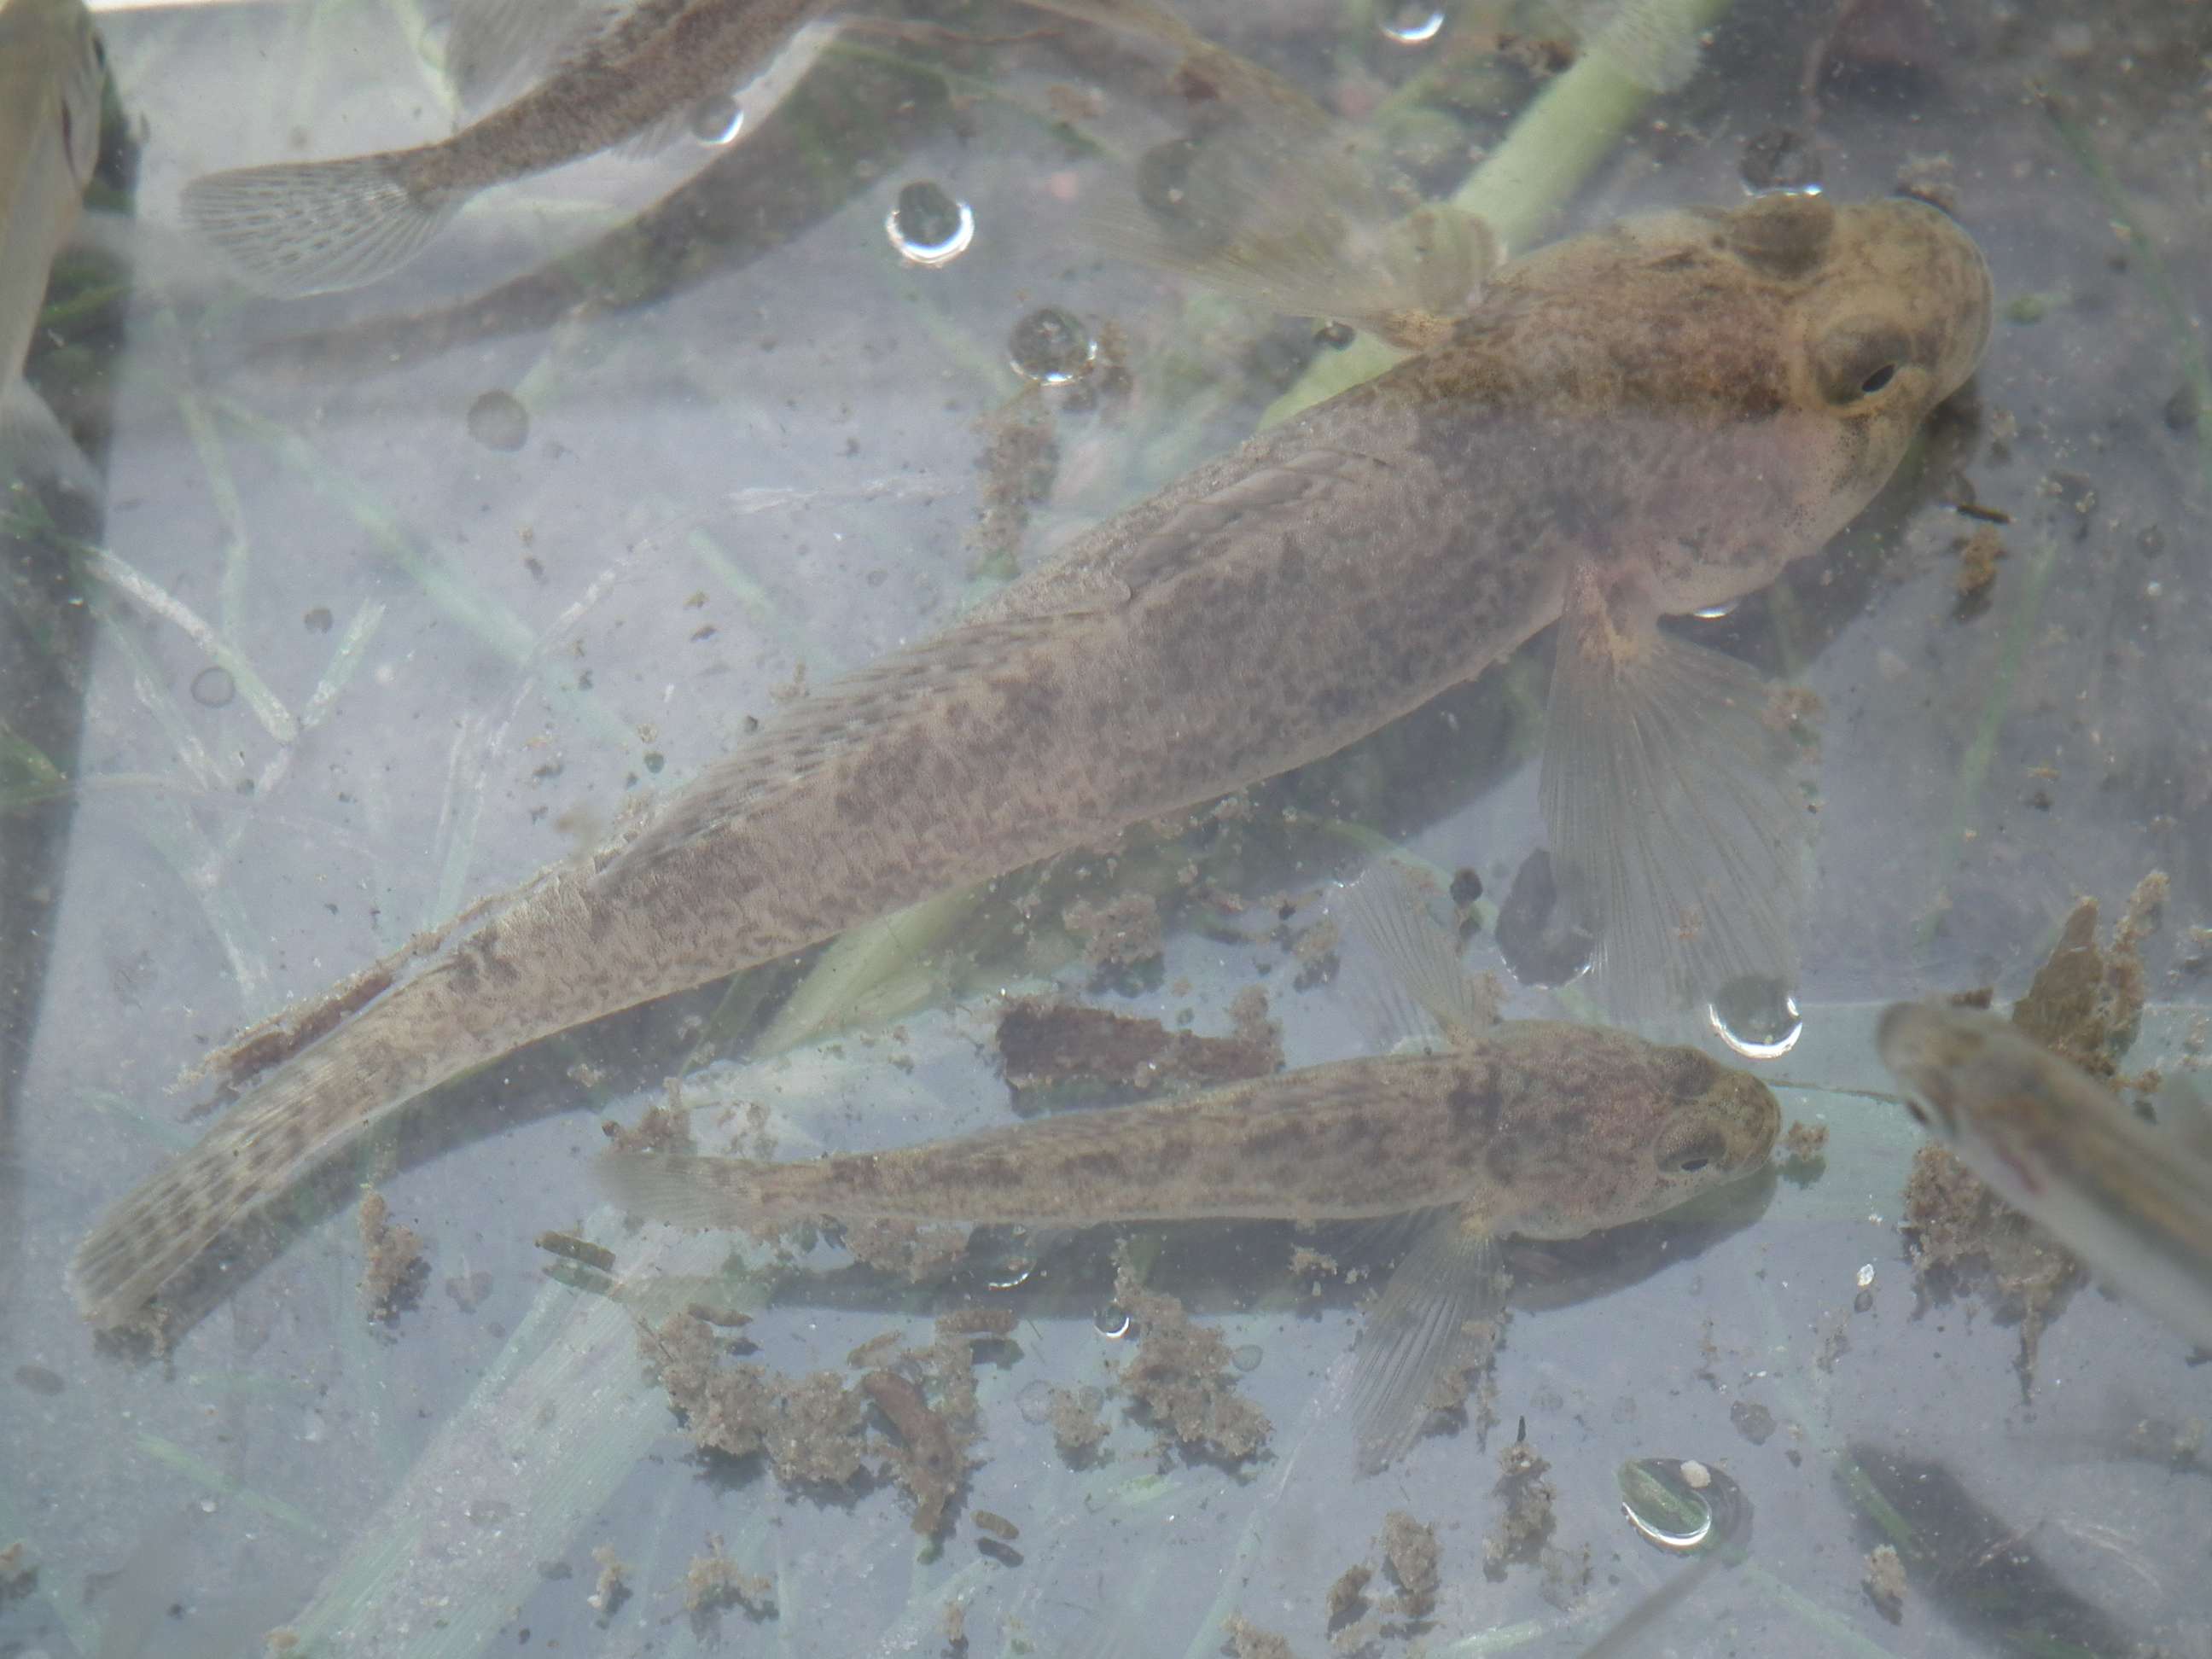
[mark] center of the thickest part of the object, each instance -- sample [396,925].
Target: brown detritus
[1347,1600]
[1528,1520]
[997,1525]
[928,1458]
[662,1129]
[19,1573]
[1307,1263]
[568,1247]
[1019,462]
[1118,935]
[1753,1421]
[1410,1552]
[1978,554]
[876,1350]
[468,1289]
[713,1582]
[1315,949]
[1835,1339]
[1248,1641]
[2086,1003]
[274,1041]
[1077,1428]
[722,1319]
[955,1626]
[810,1429]
[1566,1575]
[1249,1024]
[1045,1045]
[1980,997]
[1182,1380]
[1805,1148]
[281,1641]
[1966,1238]
[612,1588]
[1884,1582]
[394,1269]
[919,1253]
[978,1322]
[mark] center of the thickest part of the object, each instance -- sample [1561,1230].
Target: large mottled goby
[1649,419]
[1533,1129]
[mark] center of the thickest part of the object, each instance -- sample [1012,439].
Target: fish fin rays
[1679,822]
[1438,1314]
[1254,202]
[823,726]
[720,1194]
[301,227]
[496,47]
[1418,951]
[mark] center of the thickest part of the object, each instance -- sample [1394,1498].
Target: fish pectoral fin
[300,228]
[1438,1315]
[495,47]
[1679,818]
[816,730]
[1418,952]
[1263,200]
[34,446]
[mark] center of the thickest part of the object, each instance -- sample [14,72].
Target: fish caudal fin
[317,226]
[1439,1315]
[1678,823]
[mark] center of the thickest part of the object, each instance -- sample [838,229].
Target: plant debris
[1409,1550]
[1248,1641]
[712,1583]
[918,1252]
[19,1573]
[1117,936]
[1884,1582]
[1077,1428]
[613,1586]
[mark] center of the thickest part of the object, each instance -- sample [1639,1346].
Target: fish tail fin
[300,227]
[721,1195]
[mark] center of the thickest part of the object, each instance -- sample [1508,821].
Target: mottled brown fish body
[1545,1130]
[1643,407]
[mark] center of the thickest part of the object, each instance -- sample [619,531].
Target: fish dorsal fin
[1418,952]
[1440,1312]
[847,711]
[1678,821]
[1262,199]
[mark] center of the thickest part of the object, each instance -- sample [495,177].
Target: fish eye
[1692,1152]
[1691,1165]
[1858,361]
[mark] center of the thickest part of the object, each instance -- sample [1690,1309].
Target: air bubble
[717,121]
[1113,1321]
[1051,347]
[1410,22]
[929,227]
[1715,612]
[1247,1358]
[497,420]
[1035,1403]
[1756,1017]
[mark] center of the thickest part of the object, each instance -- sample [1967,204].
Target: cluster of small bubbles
[717,121]
[1756,1017]
[498,420]
[1410,22]
[1715,612]
[929,227]
[1051,347]
[1780,159]
[1113,1321]
[1246,1358]
[213,687]
[1035,1403]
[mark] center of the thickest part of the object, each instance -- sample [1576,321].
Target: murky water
[391,598]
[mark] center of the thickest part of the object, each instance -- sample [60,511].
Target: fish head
[1753,376]
[1715,1123]
[1627,1130]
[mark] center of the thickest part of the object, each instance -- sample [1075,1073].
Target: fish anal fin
[1679,818]
[1439,1317]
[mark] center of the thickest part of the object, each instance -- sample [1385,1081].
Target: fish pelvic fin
[301,227]
[1679,821]
[1440,1313]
